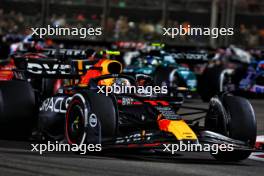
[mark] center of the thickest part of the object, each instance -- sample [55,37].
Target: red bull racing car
[79,114]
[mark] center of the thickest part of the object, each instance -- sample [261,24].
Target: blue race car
[237,71]
[254,79]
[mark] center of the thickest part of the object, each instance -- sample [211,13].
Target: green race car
[164,70]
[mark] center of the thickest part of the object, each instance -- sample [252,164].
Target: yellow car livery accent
[80,66]
[178,128]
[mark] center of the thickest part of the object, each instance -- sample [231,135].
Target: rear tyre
[236,121]
[17,109]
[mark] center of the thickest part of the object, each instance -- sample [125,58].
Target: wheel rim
[218,115]
[75,125]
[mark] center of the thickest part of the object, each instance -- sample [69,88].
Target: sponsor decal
[133,138]
[67,52]
[56,68]
[167,112]
[93,120]
[50,69]
[191,56]
[55,104]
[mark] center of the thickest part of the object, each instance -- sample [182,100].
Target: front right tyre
[234,117]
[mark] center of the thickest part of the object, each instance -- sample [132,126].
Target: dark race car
[238,72]
[81,114]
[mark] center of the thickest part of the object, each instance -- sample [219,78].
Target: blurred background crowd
[137,20]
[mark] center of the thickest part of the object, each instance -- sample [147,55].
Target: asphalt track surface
[17,159]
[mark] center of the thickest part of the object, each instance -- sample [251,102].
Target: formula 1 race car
[239,73]
[251,82]
[81,114]
[164,70]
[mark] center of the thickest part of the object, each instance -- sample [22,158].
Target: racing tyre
[209,84]
[17,109]
[233,117]
[90,117]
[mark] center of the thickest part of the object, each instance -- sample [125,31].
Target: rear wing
[58,53]
[79,54]
[56,69]
[65,52]
[52,63]
[60,63]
